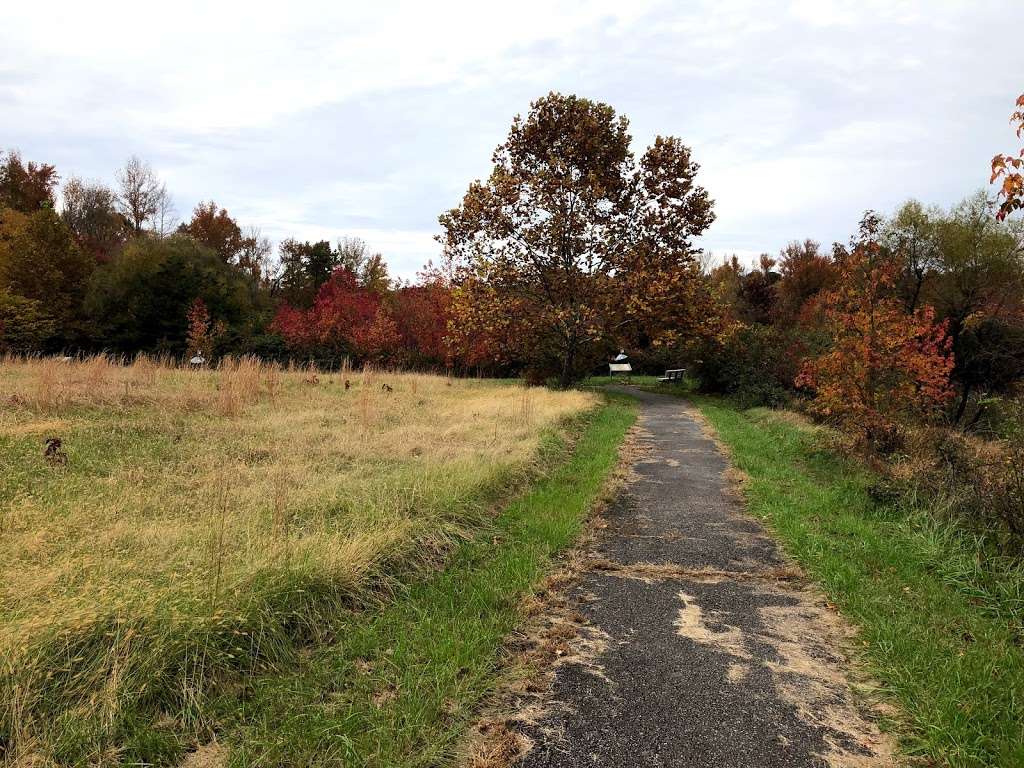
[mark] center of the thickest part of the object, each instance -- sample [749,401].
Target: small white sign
[619,368]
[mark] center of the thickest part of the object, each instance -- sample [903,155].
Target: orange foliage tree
[213,227]
[203,333]
[883,364]
[1008,168]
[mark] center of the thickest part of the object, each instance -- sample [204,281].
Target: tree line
[571,249]
[921,315]
[574,248]
[85,267]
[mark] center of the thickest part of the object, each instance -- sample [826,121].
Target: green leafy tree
[141,299]
[980,266]
[913,236]
[24,325]
[305,267]
[39,260]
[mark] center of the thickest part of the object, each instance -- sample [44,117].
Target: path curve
[702,646]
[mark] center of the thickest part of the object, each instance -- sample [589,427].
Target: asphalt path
[711,650]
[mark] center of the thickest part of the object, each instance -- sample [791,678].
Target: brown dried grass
[185,488]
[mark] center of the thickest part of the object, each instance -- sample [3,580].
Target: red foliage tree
[421,313]
[883,363]
[345,318]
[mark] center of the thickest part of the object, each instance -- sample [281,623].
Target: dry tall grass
[204,519]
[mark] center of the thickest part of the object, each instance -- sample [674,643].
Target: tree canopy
[571,247]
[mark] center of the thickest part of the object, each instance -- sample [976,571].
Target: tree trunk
[963,403]
[918,284]
[566,379]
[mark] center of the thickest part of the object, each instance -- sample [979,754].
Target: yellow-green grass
[211,522]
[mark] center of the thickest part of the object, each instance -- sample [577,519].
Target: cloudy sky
[316,120]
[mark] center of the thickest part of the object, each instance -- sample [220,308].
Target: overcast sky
[317,120]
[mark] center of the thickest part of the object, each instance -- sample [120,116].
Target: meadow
[196,524]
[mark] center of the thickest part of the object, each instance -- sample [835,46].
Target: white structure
[620,364]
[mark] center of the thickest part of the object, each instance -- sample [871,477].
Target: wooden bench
[673,375]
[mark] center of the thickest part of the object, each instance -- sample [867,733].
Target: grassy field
[197,527]
[398,687]
[942,630]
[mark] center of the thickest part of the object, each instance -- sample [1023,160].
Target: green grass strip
[399,686]
[940,628]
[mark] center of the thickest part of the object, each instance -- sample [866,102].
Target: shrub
[977,483]
[884,366]
[751,364]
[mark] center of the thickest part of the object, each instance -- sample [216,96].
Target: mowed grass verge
[399,687]
[200,527]
[942,629]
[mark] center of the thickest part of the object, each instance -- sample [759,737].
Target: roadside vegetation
[941,624]
[937,600]
[162,527]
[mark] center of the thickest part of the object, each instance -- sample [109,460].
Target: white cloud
[318,119]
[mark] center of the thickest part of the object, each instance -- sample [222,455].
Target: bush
[1001,486]
[977,483]
[751,364]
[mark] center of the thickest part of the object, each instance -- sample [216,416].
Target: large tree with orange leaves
[214,228]
[1007,169]
[883,363]
[571,247]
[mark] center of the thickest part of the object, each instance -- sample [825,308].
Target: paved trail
[709,650]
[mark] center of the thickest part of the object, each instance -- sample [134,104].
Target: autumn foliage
[351,319]
[1007,169]
[203,333]
[883,363]
[571,247]
[421,313]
